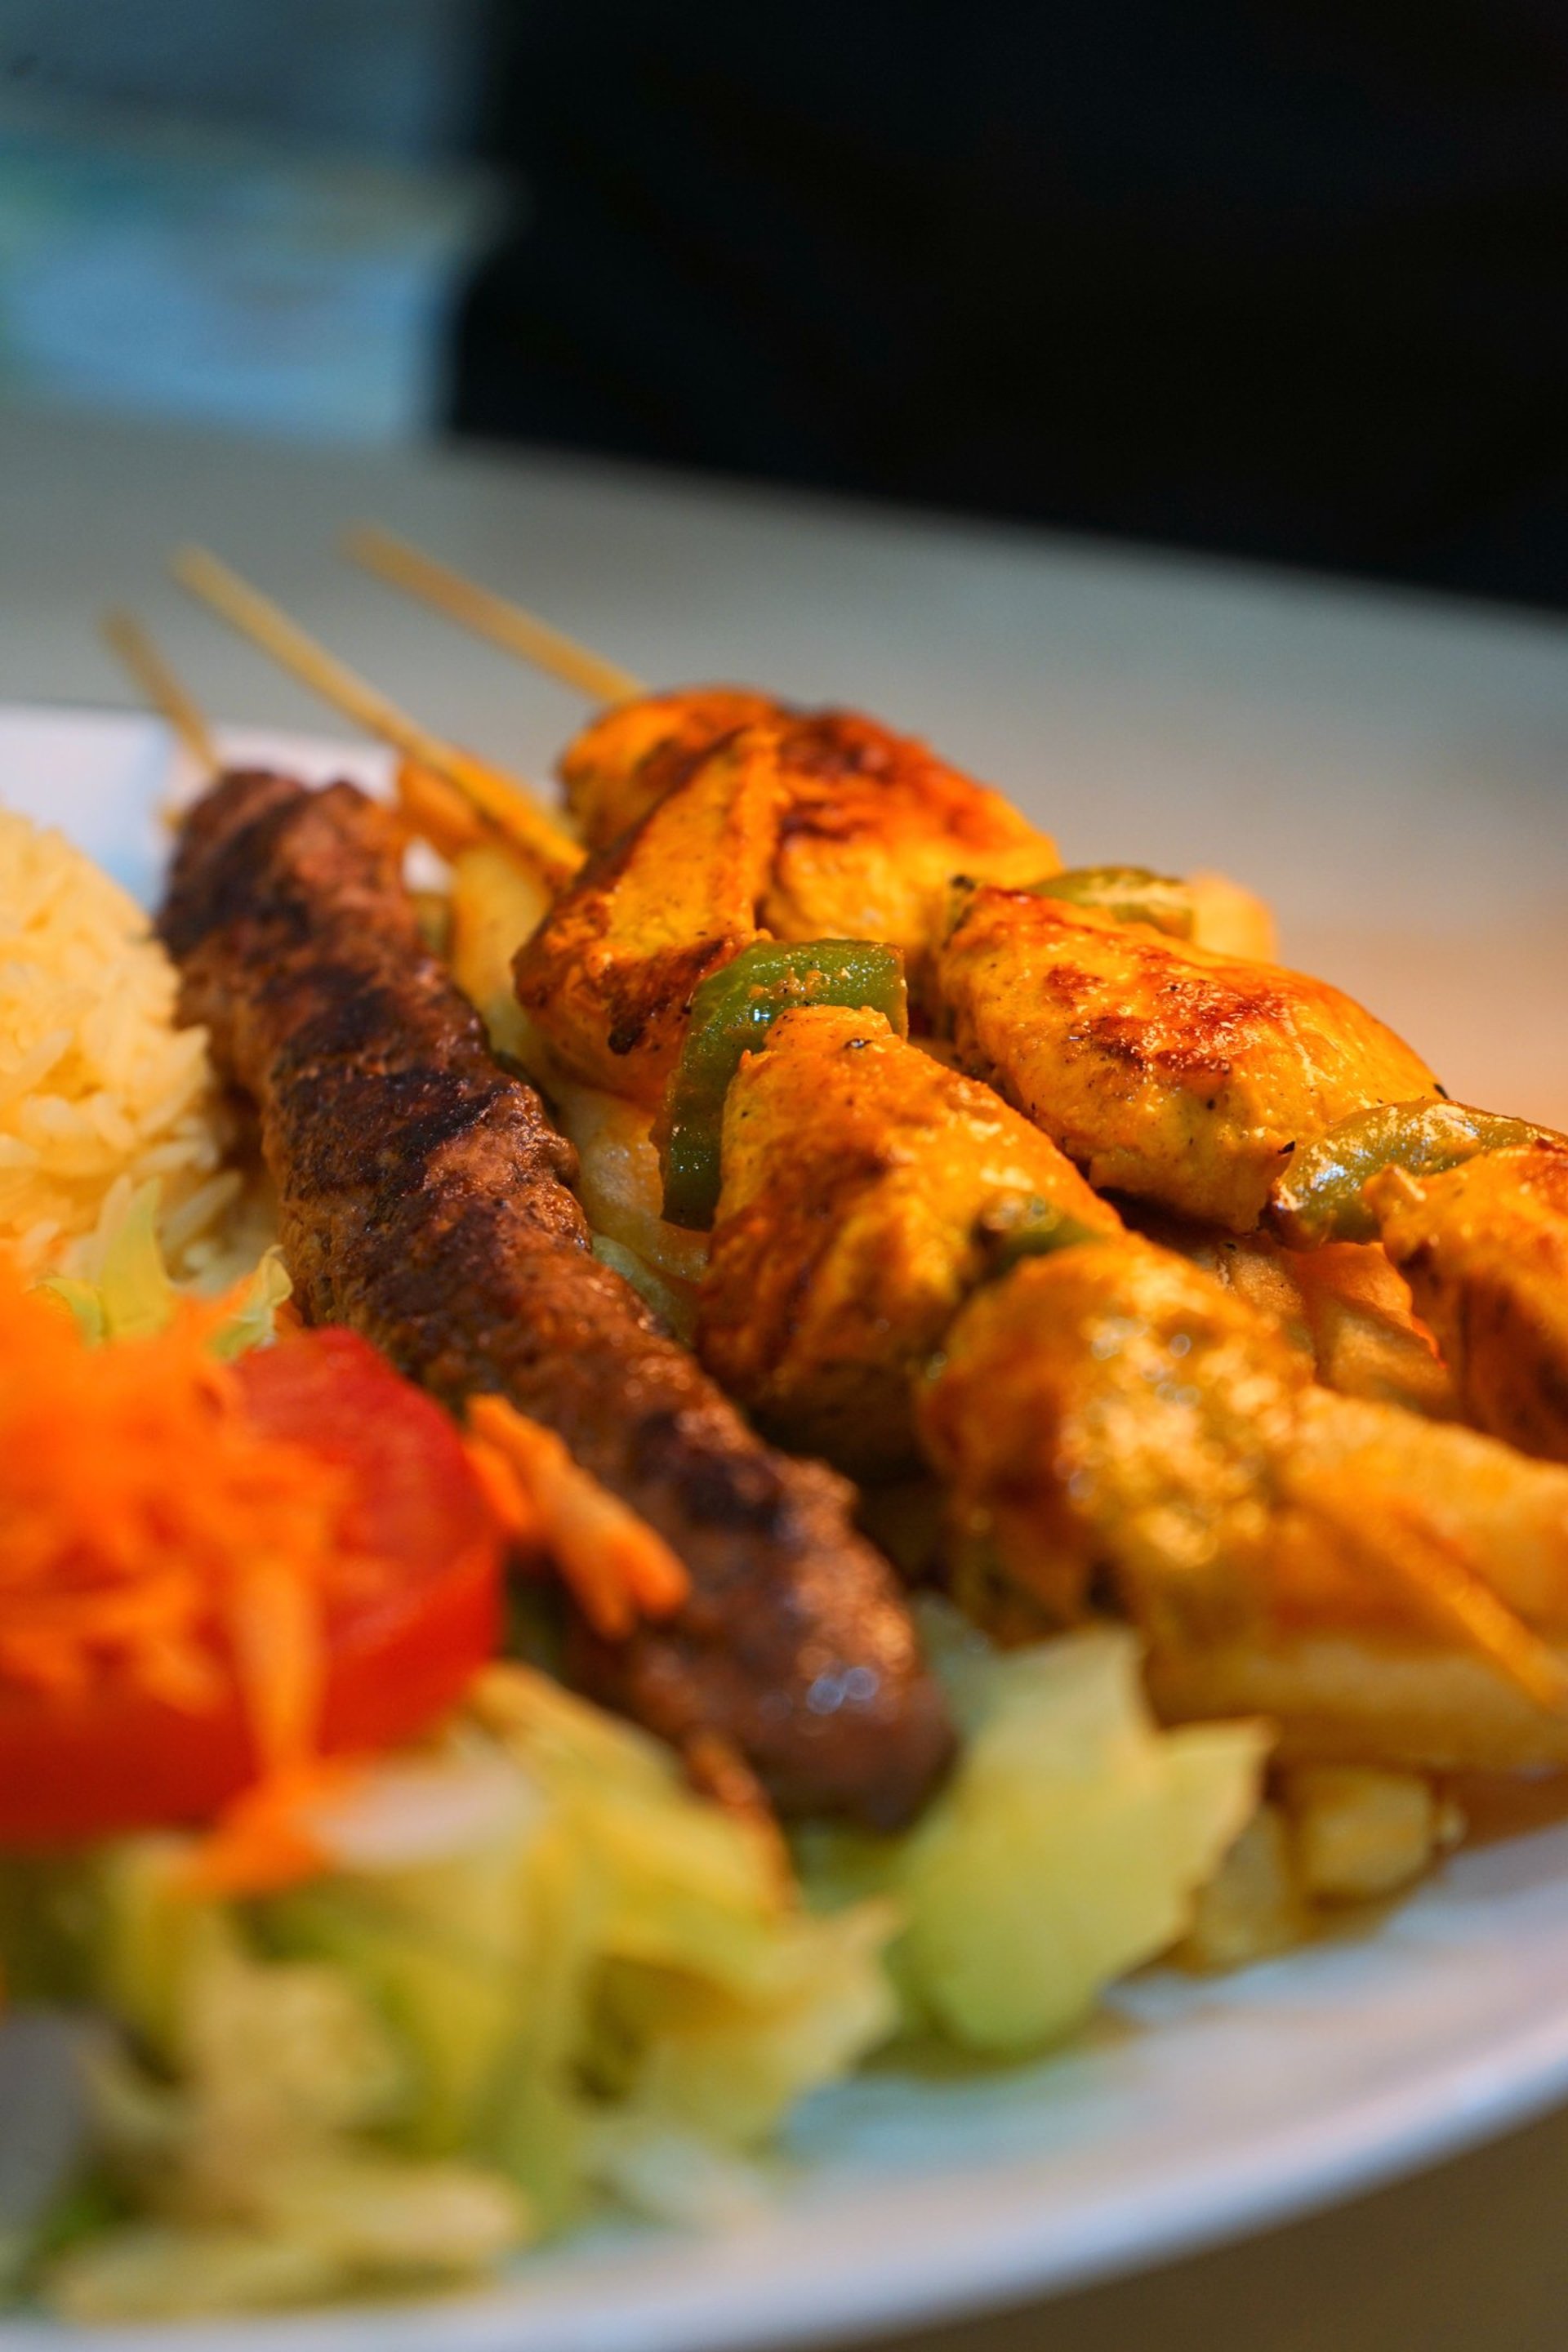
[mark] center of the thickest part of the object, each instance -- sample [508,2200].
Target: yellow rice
[100,1092]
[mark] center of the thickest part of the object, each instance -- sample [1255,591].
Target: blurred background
[1289,282]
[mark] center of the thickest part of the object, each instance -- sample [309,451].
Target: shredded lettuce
[254,1320]
[134,1296]
[256,2163]
[543,1974]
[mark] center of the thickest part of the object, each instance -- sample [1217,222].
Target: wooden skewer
[473,607]
[503,799]
[171,700]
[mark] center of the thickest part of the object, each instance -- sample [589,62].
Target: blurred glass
[248,214]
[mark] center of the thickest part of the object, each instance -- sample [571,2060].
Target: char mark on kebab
[424,1201]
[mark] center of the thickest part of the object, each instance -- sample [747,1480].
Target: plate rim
[1287,2170]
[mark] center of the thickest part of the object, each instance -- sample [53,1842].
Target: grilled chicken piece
[868,1190]
[792,829]
[865,1191]
[626,760]
[1113,1423]
[424,1201]
[796,828]
[874,826]
[606,978]
[1484,1247]
[874,829]
[1164,1070]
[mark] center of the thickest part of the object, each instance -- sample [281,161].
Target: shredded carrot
[513,1509]
[267,1837]
[617,1568]
[151,1535]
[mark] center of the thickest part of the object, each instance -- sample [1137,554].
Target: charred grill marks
[423,1201]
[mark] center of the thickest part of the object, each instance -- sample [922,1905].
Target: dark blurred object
[1288,282]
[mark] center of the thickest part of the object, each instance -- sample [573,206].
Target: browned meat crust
[625,761]
[424,1201]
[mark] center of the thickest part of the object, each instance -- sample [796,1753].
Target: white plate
[1200,2109]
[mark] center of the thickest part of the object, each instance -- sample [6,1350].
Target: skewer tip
[509,625]
[501,798]
[134,646]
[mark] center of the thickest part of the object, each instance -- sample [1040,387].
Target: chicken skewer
[847,831]
[898,1253]
[606,981]
[1191,1079]
[1167,1070]
[915,1199]
[1175,1073]
[423,1201]
[1179,1075]
[889,838]
[865,1191]
[414,1308]
[715,830]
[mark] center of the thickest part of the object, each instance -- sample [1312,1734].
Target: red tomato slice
[119,1758]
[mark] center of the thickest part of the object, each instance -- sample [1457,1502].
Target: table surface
[1176,711]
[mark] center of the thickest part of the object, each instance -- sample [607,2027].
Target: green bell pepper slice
[731,1013]
[1131,894]
[1319,1198]
[1026,1228]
